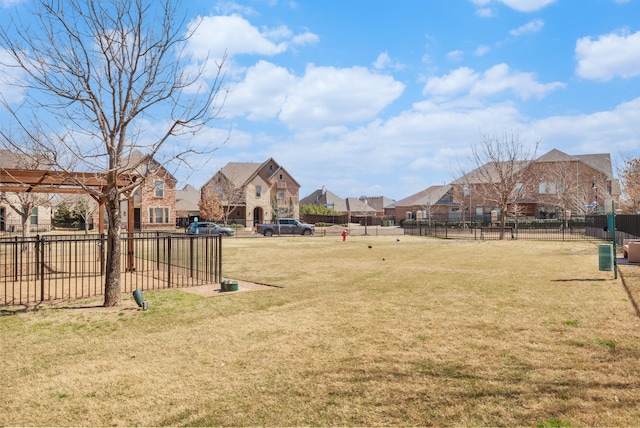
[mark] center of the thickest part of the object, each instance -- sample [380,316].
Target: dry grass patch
[416,332]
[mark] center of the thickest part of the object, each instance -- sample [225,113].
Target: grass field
[371,332]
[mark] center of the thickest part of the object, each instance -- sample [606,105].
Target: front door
[257,215]
[136,219]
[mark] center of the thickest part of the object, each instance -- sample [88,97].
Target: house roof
[142,163]
[241,173]
[434,195]
[326,198]
[599,161]
[187,198]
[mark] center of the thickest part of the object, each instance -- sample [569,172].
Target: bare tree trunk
[112,290]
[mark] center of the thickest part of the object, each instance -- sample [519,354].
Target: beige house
[253,193]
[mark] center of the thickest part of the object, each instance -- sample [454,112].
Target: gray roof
[434,195]
[187,199]
[327,199]
[599,161]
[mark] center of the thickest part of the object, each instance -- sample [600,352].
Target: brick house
[435,202]
[555,185]
[154,201]
[253,193]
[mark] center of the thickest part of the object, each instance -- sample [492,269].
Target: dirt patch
[212,290]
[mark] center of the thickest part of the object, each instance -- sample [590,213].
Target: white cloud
[11,79]
[484,10]
[262,92]
[481,50]
[384,61]
[611,55]
[235,35]
[530,27]
[527,5]
[333,96]
[497,79]
[455,56]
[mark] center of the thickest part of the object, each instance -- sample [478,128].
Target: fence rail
[55,267]
[534,231]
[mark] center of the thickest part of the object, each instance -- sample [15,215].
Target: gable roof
[187,199]
[434,195]
[242,173]
[326,198]
[599,161]
[141,163]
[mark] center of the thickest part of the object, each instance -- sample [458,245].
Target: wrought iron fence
[542,230]
[56,267]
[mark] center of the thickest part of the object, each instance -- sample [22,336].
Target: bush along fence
[57,267]
[536,230]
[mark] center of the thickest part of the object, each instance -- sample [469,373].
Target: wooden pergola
[18,180]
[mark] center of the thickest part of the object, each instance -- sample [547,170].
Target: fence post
[40,253]
[15,258]
[169,261]
[219,260]
[102,244]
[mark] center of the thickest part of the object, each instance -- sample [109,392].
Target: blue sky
[387,98]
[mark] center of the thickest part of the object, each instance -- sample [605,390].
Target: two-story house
[555,185]
[253,193]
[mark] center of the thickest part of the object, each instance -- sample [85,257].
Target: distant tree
[500,175]
[630,177]
[231,196]
[210,207]
[313,209]
[83,212]
[63,214]
[101,71]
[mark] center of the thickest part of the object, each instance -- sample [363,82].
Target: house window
[519,189]
[34,216]
[159,189]
[542,188]
[280,193]
[547,188]
[465,190]
[159,215]
[258,191]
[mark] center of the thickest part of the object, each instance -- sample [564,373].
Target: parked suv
[208,228]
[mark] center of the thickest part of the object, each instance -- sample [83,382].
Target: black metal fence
[56,267]
[544,230]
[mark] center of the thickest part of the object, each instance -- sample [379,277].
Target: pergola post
[130,232]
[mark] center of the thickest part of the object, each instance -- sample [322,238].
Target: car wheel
[307,232]
[224,234]
[268,233]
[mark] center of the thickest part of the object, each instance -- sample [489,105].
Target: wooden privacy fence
[56,267]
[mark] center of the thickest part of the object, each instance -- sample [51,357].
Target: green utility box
[605,257]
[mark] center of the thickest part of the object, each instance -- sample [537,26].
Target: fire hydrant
[344,235]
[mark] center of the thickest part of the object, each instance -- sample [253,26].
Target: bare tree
[500,175]
[97,74]
[24,204]
[630,176]
[83,210]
